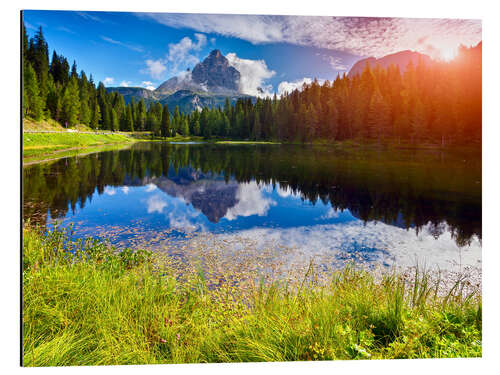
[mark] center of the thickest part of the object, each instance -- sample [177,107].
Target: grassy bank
[49,125]
[87,305]
[40,146]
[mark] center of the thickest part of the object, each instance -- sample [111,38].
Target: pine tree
[197,128]
[185,128]
[256,130]
[140,118]
[130,119]
[53,102]
[155,124]
[115,122]
[418,122]
[227,126]
[25,42]
[96,115]
[40,61]
[332,120]
[165,122]
[85,115]
[311,122]
[378,117]
[71,103]
[176,121]
[32,102]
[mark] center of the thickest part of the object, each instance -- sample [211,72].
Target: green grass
[85,304]
[39,146]
[65,153]
[49,124]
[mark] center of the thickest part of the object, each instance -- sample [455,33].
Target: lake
[376,207]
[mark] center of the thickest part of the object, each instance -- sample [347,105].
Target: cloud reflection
[250,202]
[109,190]
[373,243]
[156,204]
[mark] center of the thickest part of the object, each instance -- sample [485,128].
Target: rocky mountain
[216,74]
[181,82]
[401,59]
[208,84]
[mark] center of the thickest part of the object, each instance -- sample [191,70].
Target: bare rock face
[216,73]
[181,82]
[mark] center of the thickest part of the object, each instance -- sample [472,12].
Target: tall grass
[87,304]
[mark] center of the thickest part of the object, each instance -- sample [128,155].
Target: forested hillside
[437,103]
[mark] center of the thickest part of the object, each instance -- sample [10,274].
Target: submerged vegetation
[88,304]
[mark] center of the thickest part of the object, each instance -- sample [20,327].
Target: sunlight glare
[448,53]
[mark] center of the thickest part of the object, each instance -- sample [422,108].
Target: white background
[10,194]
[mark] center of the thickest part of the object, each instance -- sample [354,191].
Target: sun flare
[448,53]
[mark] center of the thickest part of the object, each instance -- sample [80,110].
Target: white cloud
[155,68]
[148,85]
[180,53]
[66,30]
[108,80]
[184,76]
[29,25]
[286,86]
[130,46]
[90,17]
[250,202]
[125,83]
[254,73]
[335,62]
[361,36]
[155,204]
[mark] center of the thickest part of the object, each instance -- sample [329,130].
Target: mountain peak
[216,74]
[215,53]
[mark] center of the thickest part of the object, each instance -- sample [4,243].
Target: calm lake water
[378,207]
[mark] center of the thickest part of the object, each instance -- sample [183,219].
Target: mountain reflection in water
[296,195]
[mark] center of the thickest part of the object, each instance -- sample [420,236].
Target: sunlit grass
[86,304]
[40,146]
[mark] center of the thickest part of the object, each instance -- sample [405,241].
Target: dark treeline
[437,103]
[436,188]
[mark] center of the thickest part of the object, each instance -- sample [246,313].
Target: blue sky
[275,53]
